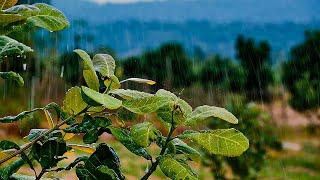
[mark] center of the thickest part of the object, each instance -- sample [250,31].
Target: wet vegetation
[99,116]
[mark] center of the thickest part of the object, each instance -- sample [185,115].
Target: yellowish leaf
[86,149]
[49,118]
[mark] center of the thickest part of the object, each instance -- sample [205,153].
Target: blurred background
[258,59]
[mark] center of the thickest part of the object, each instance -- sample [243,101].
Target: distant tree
[168,65]
[34,1]
[223,73]
[256,62]
[301,75]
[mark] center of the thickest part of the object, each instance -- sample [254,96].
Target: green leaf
[183,148]
[104,64]
[204,112]
[226,142]
[112,83]
[44,16]
[9,46]
[124,137]
[6,172]
[145,105]
[73,102]
[5,4]
[105,100]
[6,145]
[49,153]
[10,119]
[6,19]
[174,169]
[103,156]
[144,133]
[13,76]
[139,80]
[130,94]
[181,108]
[110,172]
[34,133]
[89,73]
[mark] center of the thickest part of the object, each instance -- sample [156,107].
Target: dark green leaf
[103,156]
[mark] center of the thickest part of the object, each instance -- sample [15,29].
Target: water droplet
[62,71]
[24,67]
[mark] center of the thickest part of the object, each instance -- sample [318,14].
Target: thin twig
[28,145]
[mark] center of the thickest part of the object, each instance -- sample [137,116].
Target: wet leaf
[144,133]
[12,76]
[104,64]
[204,112]
[139,80]
[105,100]
[174,169]
[124,137]
[9,46]
[145,105]
[73,102]
[89,73]
[130,94]
[112,83]
[103,156]
[226,142]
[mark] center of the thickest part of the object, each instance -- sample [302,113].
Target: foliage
[257,127]
[21,18]
[95,109]
[168,64]
[223,73]
[256,62]
[301,74]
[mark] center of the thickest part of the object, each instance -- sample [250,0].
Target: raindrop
[24,67]
[62,71]
[18,56]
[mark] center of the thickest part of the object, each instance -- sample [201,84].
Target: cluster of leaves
[301,74]
[94,109]
[256,125]
[21,18]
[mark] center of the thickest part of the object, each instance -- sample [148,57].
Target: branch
[28,145]
[163,150]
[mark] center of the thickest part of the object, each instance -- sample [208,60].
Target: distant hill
[211,25]
[218,11]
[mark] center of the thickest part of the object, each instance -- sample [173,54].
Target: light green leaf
[124,137]
[13,76]
[9,46]
[130,94]
[89,73]
[204,112]
[139,80]
[73,102]
[48,17]
[145,105]
[144,133]
[105,100]
[104,64]
[174,169]
[226,142]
